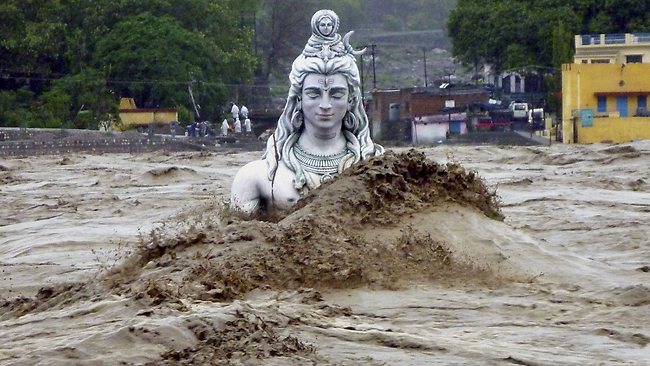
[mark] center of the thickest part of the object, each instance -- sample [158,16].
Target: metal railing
[617,38]
[641,38]
[590,39]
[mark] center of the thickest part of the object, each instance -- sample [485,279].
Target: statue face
[326,25]
[324,101]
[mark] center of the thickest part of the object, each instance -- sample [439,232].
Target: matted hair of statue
[322,130]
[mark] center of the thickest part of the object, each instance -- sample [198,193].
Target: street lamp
[449,103]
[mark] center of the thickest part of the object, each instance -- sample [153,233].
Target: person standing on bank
[234,110]
[248,128]
[237,126]
[323,128]
[224,127]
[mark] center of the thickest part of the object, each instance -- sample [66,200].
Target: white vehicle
[519,110]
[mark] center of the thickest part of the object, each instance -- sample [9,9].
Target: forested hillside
[515,34]
[62,57]
[67,62]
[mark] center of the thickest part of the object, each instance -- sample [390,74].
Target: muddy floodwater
[450,255]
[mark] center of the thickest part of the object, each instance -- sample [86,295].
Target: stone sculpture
[323,128]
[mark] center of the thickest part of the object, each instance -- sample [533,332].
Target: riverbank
[16,142]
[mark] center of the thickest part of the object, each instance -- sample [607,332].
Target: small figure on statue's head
[325,23]
[322,131]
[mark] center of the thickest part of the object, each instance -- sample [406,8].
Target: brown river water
[461,255]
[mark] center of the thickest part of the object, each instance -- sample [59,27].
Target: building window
[634,59]
[585,61]
[642,106]
[600,61]
[602,103]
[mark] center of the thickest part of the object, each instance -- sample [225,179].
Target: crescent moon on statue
[348,47]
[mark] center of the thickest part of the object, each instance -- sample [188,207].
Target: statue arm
[246,194]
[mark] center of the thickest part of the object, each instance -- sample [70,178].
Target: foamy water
[563,279]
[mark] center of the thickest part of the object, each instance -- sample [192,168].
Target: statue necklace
[327,166]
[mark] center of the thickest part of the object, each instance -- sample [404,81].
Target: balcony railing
[641,38]
[590,39]
[613,39]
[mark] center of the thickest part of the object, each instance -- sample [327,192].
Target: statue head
[326,55]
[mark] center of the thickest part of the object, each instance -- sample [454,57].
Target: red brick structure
[427,103]
[416,102]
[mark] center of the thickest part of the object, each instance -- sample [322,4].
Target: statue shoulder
[254,171]
[247,189]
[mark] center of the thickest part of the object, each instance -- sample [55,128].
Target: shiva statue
[322,130]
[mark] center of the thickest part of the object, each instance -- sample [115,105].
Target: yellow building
[605,92]
[131,116]
[612,48]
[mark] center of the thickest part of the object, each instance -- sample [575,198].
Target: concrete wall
[143,117]
[22,148]
[165,116]
[428,134]
[134,118]
[614,130]
[130,115]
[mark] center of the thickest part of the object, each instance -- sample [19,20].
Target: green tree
[56,108]
[514,33]
[284,28]
[91,95]
[55,44]
[15,107]
[153,58]
[463,21]
[561,45]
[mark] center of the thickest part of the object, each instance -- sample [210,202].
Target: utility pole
[374,75]
[196,109]
[449,99]
[255,32]
[424,53]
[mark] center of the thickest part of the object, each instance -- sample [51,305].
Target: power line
[135,81]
